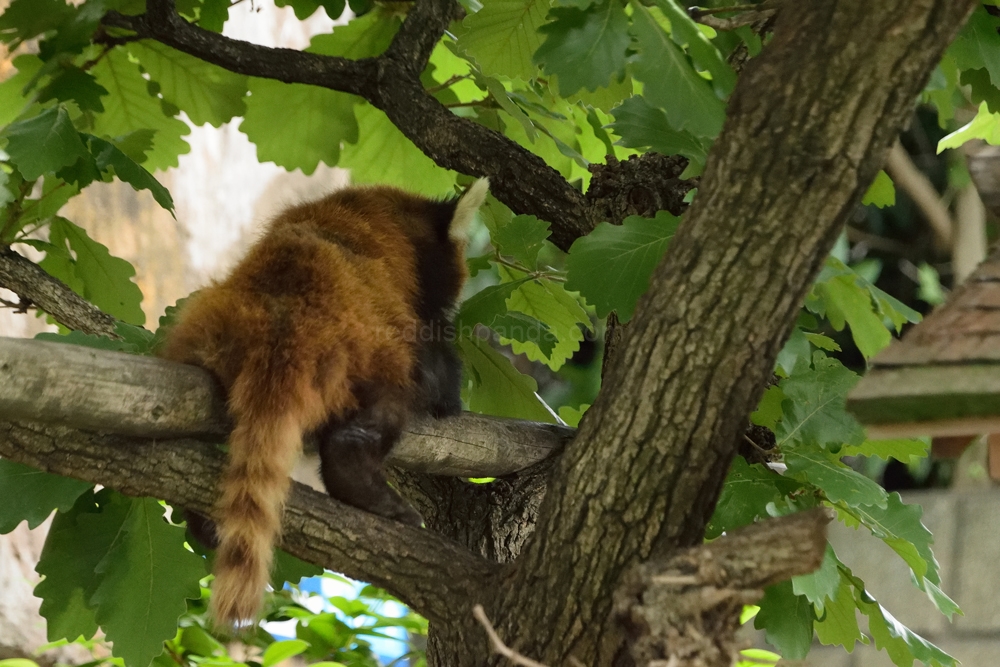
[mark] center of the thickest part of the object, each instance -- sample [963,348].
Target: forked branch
[391,82]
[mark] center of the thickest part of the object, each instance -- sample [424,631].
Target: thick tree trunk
[808,127]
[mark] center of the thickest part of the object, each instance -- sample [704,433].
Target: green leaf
[283,650]
[503,98]
[24,19]
[612,265]
[28,494]
[305,8]
[214,14]
[930,285]
[522,238]
[888,307]
[846,301]
[106,281]
[130,107]
[822,342]
[899,526]
[821,585]
[147,576]
[881,193]
[978,45]
[572,416]
[72,83]
[839,482]
[363,37]
[13,92]
[585,49]
[524,329]
[815,412]
[399,162]
[484,306]
[641,125]
[745,495]
[496,387]
[768,411]
[503,36]
[76,542]
[110,159]
[985,126]
[671,83]
[981,88]
[291,569]
[324,119]
[686,32]
[205,92]
[839,621]
[44,144]
[902,449]
[549,302]
[787,619]
[901,644]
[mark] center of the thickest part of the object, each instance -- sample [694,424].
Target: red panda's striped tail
[262,453]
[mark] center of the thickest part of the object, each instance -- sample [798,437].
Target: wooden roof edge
[945,427]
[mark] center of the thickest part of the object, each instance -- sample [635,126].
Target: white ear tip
[466,208]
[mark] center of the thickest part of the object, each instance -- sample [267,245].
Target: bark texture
[688,607]
[644,472]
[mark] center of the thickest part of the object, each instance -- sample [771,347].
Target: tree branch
[912,181]
[30,282]
[687,609]
[127,394]
[391,83]
[646,467]
[426,571]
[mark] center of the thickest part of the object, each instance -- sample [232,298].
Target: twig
[498,645]
[906,175]
[453,80]
[749,15]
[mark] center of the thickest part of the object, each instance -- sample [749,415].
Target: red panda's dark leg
[352,452]
[439,379]
[202,529]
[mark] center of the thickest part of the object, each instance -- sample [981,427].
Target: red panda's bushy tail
[263,449]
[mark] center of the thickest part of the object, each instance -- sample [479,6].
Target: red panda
[333,326]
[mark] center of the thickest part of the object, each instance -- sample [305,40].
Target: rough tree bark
[807,129]
[643,474]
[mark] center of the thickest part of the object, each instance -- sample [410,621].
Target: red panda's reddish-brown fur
[316,324]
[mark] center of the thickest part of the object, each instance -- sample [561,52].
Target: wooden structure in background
[943,378]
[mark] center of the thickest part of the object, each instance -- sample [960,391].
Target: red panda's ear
[465,209]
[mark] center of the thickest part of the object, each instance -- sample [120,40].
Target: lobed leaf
[28,494]
[130,107]
[522,238]
[585,48]
[205,92]
[146,576]
[503,36]
[641,125]
[399,162]
[787,619]
[612,265]
[44,144]
[671,83]
[496,387]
